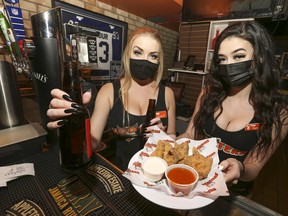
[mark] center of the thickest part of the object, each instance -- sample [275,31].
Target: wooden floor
[271,186]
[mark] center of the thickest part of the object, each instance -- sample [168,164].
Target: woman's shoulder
[168,90]
[169,95]
[107,85]
[106,89]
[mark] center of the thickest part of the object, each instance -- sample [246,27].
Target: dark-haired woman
[241,104]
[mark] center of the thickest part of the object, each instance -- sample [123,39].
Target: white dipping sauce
[154,168]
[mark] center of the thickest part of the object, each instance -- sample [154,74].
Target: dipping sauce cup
[181,178]
[154,168]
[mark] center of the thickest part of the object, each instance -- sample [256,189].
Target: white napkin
[8,173]
[213,185]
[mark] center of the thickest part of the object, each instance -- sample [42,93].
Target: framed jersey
[101,39]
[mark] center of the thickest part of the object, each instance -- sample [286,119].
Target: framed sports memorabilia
[101,39]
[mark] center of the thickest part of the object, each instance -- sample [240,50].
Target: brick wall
[169,37]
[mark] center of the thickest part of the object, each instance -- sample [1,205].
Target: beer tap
[20,63]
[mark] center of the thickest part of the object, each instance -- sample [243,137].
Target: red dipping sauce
[181,176]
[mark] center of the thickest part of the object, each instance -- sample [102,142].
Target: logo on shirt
[252,127]
[229,150]
[161,114]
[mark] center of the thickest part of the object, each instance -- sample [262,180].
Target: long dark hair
[265,98]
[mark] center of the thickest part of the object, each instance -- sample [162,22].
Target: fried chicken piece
[159,151]
[170,155]
[179,154]
[200,163]
[165,151]
[181,150]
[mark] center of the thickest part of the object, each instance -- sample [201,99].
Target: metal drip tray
[20,142]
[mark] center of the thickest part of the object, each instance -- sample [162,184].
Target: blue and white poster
[110,36]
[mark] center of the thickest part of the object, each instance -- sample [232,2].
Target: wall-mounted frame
[115,69]
[111,35]
[284,60]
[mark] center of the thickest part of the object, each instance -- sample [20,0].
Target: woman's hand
[156,121]
[62,105]
[153,122]
[232,170]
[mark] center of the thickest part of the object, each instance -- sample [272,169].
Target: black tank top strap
[161,104]
[116,88]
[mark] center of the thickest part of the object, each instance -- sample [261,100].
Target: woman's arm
[171,108]
[253,165]
[254,162]
[103,105]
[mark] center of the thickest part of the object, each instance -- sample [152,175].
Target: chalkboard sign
[109,35]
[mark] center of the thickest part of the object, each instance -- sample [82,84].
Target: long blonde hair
[126,73]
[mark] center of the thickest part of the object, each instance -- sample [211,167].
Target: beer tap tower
[47,63]
[19,138]
[47,66]
[52,49]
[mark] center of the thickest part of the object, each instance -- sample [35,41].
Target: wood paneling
[192,88]
[193,39]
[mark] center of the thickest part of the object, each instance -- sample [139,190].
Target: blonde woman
[124,102]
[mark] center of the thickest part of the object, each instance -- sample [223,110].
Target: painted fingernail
[147,135]
[61,122]
[70,111]
[76,106]
[67,98]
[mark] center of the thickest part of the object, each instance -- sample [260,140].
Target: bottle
[74,136]
[150,114]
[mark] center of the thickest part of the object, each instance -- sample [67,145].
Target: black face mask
[236,74]
[143,69]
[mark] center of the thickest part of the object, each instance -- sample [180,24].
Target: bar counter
[100,189]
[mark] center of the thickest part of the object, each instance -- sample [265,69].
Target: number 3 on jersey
[104,50]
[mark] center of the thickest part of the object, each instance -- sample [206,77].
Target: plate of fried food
[201,155]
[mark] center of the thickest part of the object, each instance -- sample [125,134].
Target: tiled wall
[169,37]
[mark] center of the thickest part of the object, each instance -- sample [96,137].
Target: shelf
[179,70]
[214,26]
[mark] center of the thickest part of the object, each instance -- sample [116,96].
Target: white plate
[168,201]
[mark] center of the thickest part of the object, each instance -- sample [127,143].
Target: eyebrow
[240,49]
[235,51]
[138,48]
[154,52]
